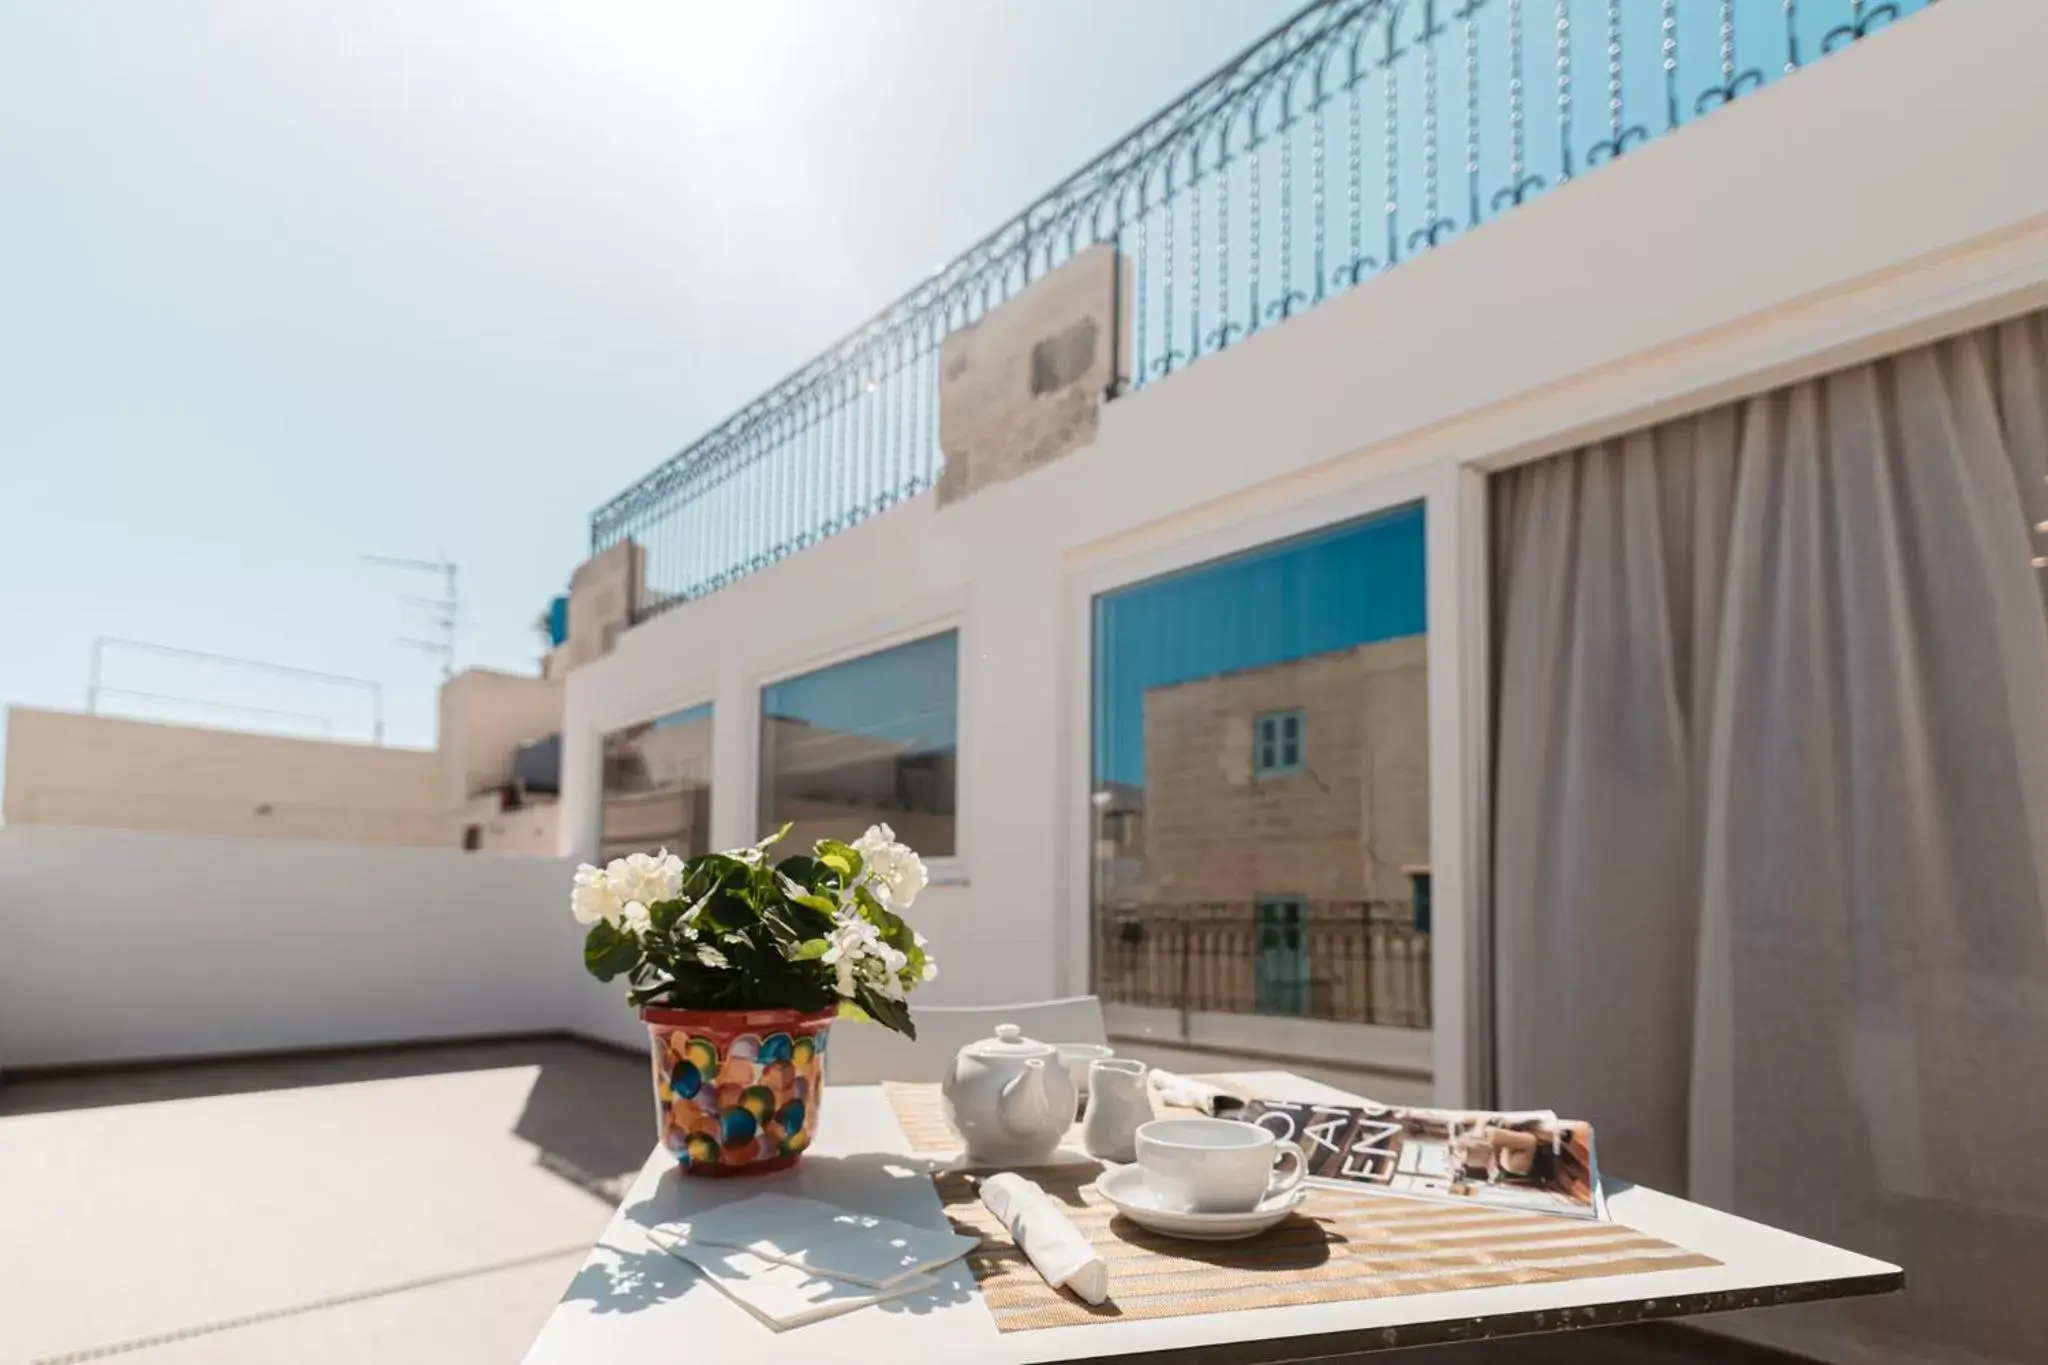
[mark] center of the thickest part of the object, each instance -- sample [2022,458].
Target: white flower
[850,940]
[646,878]
[633,917]
[895,872]
[931,965]
[858,955]
[593,898]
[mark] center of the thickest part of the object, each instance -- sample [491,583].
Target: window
[1206,800]
[1277,744]
[657,786]
[869,741]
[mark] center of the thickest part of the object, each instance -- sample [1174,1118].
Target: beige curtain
[1770,878]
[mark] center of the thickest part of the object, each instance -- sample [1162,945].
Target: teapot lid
[1009,1042]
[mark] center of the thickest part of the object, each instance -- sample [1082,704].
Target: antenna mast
[446,609]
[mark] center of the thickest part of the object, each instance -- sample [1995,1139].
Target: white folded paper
[782,1296]
[1046,1235]
[825,1239]
[1185,1092]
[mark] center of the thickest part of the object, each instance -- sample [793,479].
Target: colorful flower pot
[736,1092]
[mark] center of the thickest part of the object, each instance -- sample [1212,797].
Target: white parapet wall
[1888,194]
[122,946]
[1364,1047]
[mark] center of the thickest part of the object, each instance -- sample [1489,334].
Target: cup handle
[1283,1150]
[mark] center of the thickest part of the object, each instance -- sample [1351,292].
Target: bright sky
[285,283]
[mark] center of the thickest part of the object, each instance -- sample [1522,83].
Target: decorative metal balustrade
[1359,962]
[1354,136]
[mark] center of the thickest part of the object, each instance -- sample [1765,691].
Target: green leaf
[811,949]
[609,950]
[725,907]
[777,837]
[664,915]
[796,893]
[841,858]
[890,1014]
[806,871]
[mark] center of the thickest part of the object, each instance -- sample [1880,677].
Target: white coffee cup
[1215,1165]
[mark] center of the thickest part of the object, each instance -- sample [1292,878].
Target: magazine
[1531,1161]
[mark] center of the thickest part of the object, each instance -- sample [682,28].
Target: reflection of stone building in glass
[829,783]
[1119,839]
[657,787]
[1266,866]
[1228,818]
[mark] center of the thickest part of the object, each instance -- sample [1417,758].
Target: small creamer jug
[1118,1101]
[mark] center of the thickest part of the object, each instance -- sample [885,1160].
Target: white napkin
[825,1239]
[1186,1092]
[782,1296]
[1047,1236]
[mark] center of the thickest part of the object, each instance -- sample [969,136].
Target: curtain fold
[1770,866]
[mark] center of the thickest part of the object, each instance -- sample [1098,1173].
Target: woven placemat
[1338,1246]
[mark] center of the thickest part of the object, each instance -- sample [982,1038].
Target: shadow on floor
[591,1114]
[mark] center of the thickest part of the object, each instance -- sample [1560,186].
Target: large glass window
[874,739]
[657,786]
[1261,781]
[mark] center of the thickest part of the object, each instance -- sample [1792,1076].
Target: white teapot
[1009,1099]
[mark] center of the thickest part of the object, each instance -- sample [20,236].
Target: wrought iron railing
[1362,962]
[1356,135]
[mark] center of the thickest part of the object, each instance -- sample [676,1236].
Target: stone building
[1266,865]
[1340,822]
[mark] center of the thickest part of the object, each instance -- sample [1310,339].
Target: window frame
[707,702]
[917,621]
[1453,499]
[1262,770]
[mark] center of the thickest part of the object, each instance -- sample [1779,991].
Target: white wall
[1886,194]
[116,946]
[1370,1047]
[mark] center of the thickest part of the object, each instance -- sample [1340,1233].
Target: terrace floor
[425,1204]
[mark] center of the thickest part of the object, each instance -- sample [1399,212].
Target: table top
[633,1302]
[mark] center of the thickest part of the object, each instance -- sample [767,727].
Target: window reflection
[1261,781]
[872,740]
[657,786]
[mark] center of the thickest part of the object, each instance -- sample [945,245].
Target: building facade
[470,792]
[1233,813]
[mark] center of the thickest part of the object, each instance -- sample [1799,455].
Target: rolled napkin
[1185,1092]
[1046,1235]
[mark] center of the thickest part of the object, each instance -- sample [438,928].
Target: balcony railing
[1360,962]
[1356,135]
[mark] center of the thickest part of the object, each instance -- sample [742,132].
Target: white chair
[863,1053]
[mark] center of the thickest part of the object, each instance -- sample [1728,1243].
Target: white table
[633,1304]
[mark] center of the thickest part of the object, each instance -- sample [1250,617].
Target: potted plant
[738,966]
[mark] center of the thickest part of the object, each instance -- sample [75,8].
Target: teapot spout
[1023,1109]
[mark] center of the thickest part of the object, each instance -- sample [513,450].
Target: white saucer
[1125,1188]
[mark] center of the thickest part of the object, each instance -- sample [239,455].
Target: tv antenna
[445,609]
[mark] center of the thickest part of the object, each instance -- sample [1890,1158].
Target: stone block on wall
[604,592]
[1025,385]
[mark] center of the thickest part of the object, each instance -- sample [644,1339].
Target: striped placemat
[1339,1246]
